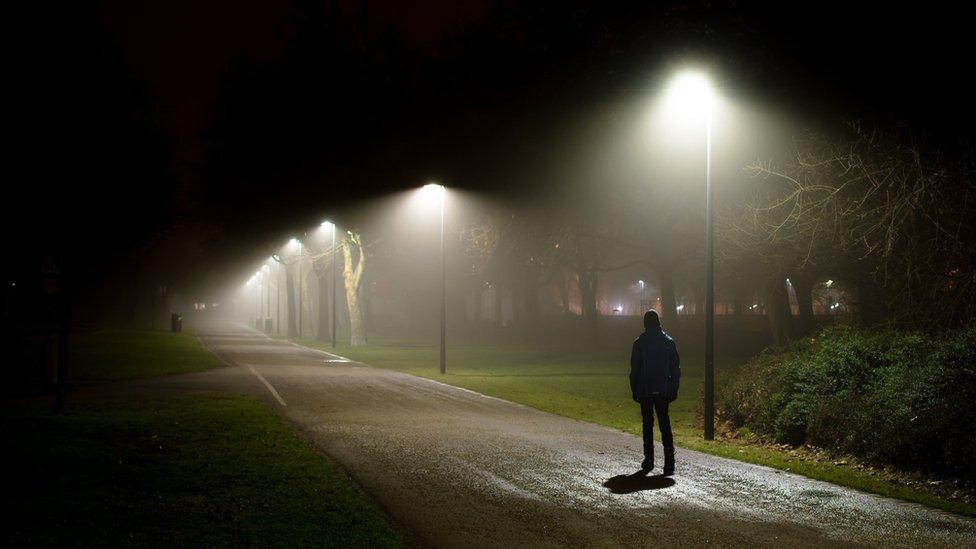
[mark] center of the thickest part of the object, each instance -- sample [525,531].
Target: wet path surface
[458,468]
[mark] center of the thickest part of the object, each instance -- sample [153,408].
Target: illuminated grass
[593,386]
[112,355]
[197,471]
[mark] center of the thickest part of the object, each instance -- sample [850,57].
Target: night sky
[185,138]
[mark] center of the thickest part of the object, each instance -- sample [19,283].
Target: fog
[595,205]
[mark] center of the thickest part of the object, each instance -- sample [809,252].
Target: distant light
[754,306]
[680,307]
[641,282]
[788,281]
[327,225]
[835,305]
[295,244]
[690,94]
[829,283]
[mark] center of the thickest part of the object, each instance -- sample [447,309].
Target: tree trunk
[352,275]
[530,301]
[737,304]
[324,310]
[778,310]
[564,282]
[290,290]
[669,308]
[803,287]
[587,286]
[699,304]
[868,305]
[518,304]
[357,333]
[497,289]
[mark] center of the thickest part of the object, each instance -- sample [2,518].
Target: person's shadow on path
[637,482]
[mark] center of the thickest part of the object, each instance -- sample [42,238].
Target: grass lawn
[199,471]
[593,386]
[112,355]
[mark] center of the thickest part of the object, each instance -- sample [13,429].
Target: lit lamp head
[432,193]
[689,95]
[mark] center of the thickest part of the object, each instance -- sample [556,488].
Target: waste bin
[176,322]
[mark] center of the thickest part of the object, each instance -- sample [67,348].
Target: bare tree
[353,267]
[888,211]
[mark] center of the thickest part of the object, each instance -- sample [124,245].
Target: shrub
[889,397]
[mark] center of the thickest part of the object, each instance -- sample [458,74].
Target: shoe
[668,461]
[647,465]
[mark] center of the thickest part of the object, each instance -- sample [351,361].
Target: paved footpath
[457,468]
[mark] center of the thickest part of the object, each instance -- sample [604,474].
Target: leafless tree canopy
[888,211]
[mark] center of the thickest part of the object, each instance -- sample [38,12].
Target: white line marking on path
[214,353]
[270,387]
[333,356]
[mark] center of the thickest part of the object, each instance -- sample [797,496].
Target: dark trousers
[648,407]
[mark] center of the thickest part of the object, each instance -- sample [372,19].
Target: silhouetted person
[655,372]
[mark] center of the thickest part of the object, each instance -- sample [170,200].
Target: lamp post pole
[709,284]
[278,298]
[333,286]
[443,293]
[300,283]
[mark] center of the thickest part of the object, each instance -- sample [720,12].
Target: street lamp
[301,288]
[330,225]
[435,193]
[689,95]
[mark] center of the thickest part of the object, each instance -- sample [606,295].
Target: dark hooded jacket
[655,369]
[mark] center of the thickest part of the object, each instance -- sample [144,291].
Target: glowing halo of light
[689,94]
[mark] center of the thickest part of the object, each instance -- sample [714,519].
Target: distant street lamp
[301,287]
[436,193]
[266,271]
[690,93]
[330,225]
